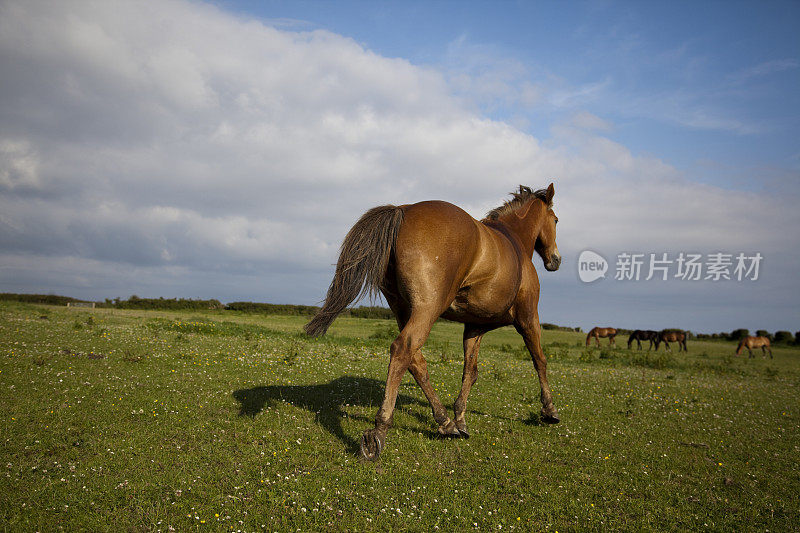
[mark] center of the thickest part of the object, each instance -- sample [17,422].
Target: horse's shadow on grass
[326,401]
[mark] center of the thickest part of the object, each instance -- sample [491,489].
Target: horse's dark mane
[518,200]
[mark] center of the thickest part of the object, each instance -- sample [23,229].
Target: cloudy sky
[223,149]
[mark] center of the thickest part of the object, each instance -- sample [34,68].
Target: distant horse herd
[655,337]
[667,336]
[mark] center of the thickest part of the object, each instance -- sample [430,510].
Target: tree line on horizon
[178,304]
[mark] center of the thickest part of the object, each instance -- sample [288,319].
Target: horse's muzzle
[554,263]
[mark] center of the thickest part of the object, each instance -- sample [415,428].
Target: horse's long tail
[363,260]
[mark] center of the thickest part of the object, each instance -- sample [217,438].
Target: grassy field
[125,420]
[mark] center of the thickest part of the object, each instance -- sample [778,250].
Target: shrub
[519,352]
[559,353]
[273,309]
[608,353]
[49,299]
[783,337]
[658,360]
[738,334]
[554,327]
[134,302]
[364,311]
[385,333]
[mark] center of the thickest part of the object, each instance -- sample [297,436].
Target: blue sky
[223,149]
[711,87]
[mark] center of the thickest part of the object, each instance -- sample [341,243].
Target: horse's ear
[551,191]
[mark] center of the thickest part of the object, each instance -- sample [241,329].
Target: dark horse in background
[432,259]
[672,336]
[597,333]
[642,335]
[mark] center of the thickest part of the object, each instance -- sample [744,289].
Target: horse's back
[437,229]
[758,342]
[673,336]
[444,256]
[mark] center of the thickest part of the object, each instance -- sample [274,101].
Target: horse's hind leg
[472,343]
[419,369]
[411,339]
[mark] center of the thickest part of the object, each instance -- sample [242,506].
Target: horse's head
[545,244]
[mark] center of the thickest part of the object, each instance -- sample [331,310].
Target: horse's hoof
[449,430]
[550,415]
[461,426]
[372,442]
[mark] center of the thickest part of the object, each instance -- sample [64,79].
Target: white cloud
[577,96]
[179,144]
[764,69]
[591,122]
[19,165]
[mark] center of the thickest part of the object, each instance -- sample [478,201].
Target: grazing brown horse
[755,342]
[672,336]
[642,335]
[431,260]
[596,333]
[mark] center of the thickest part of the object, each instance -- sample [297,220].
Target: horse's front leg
[532,334]
[472,343]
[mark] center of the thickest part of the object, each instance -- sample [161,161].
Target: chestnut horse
[431,259]
[601,332]
[642,335]
[672,336]
[755,342]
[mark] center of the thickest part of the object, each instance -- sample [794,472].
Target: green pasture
[119,420]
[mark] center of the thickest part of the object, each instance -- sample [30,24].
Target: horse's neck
[524,230]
